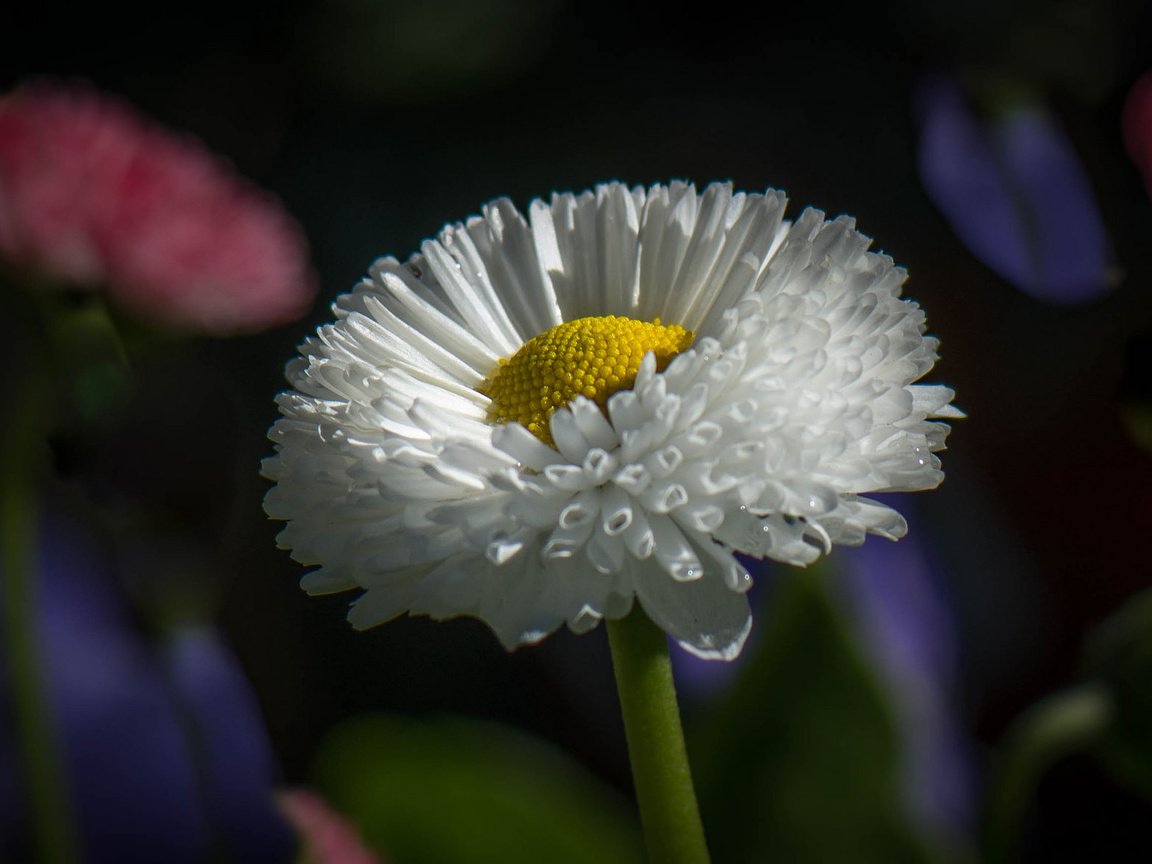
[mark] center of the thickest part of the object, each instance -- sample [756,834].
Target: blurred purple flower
[1016,194]
[150,775]
[905,629]
[236,765]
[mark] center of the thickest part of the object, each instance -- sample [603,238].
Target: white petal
[703,616]
[473,297]
[504,241]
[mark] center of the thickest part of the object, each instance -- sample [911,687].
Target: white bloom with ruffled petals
[795,400]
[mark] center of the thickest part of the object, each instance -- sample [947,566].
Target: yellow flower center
[593,357]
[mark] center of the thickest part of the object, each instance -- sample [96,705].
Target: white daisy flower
[533,422]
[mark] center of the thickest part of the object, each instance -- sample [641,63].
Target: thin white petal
[703,616]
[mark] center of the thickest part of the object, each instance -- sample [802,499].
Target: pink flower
[94,195]
[327,836]
[1136,121]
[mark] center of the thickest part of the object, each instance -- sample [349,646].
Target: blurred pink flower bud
[1136,121]
[93,194]
[328,838]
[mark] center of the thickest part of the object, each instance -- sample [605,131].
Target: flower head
[94,195]
[766,386]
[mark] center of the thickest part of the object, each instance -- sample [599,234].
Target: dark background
[377,122]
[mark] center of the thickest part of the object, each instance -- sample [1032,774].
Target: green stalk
[21,470]
[1060,725]
[670,817]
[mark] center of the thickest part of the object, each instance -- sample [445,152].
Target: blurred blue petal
[130,773]
[1016,194]
[906,630]
[139,769]
[236,763]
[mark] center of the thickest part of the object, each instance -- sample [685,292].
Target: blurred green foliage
[435,789]
[379,51]
[1119,652]
[803,761]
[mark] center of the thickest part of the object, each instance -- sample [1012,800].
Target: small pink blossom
[327,836]
[93,194]
[1136,120]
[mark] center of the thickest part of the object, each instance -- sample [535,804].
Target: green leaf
[447,789]
[1137,419]
[1119,653]
[1059,725]
[802,763]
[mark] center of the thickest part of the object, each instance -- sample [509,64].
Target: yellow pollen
[593,357]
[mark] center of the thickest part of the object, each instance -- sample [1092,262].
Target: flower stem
[21,461]
[668,811]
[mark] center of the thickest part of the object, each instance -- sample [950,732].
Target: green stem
[1060,725]
[668,811]
[21,463]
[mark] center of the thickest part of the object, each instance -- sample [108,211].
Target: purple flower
[904,628]
[235,762]
[1016,194]
[165,761]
